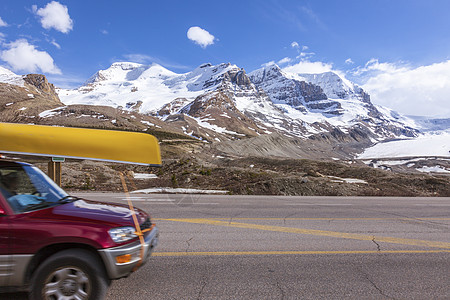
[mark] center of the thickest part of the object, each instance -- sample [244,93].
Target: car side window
[14,186]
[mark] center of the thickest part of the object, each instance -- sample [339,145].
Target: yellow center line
[236,253]
[344,235]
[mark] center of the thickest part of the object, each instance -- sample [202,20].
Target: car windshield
[27,188]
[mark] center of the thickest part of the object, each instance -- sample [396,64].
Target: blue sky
[397,50]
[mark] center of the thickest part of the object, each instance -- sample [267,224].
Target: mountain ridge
[223,103]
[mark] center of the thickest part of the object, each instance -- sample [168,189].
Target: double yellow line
[443,246]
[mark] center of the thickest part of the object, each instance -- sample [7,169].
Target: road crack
[288,216]
[377,288]
[204,282]
[188,244]
[378,245]
[366,276]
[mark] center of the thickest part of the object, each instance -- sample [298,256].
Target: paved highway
[265,247]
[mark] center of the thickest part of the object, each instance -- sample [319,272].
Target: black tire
[69,273]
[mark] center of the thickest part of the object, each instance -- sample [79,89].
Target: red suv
[62,247]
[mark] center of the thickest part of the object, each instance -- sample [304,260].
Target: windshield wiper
[36,206]
[68,199]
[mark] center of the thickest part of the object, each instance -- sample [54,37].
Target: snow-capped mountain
[6,76]
[224,99]
[212,99]
[425,124]
[328,98]
[216,103]
[23,96]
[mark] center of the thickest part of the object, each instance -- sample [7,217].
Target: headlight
[122,234]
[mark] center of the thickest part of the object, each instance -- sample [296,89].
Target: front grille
[147,224]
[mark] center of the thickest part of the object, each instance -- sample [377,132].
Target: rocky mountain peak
[267,73]
[7,76]
[22,98]
[333,85]
[238,77]
[40,83]
[205,65]
[128,71]
[283,89]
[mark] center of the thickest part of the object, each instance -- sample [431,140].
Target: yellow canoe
[94,144]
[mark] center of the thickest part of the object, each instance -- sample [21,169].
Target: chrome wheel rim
[67,283]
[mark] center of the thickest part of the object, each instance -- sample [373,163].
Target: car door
[5,247]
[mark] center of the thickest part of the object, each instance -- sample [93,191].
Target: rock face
[22,98]
[223,111]
[41,85]
[327,98]
[295,93]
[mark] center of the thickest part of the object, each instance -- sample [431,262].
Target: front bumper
[118,270]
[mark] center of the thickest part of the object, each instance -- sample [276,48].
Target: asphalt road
[245,247]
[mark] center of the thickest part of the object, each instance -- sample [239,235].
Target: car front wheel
[70,274]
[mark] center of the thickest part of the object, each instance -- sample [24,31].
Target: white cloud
[200,36]
[297,46]
[54,43]
[373,67]
[349,61]
[284,61]
[3,23]
[22,56]
[54,15]
[309,67]
[268,64]
[305,55]
[412,91]
[104,31]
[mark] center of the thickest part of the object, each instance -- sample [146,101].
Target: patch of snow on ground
[435,169]
[213,127]
[50,112]
[147,123]
[430,144]
[347,180]
[168,190]
[144,176]
[386,162]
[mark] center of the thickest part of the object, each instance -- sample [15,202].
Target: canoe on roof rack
[94,144]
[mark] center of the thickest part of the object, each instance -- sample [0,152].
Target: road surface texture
[266,247]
